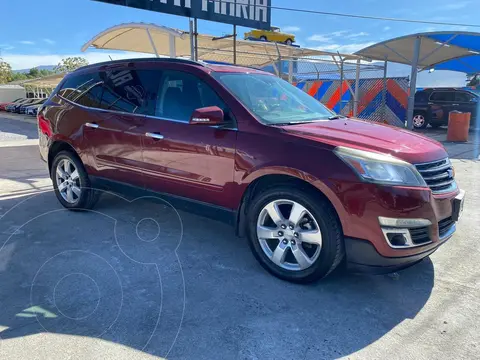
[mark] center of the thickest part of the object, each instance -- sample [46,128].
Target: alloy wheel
[418,120]
[289,235]
[68,181]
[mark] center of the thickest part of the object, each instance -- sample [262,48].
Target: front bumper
[362,257]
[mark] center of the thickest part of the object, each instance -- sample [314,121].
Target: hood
[371,136]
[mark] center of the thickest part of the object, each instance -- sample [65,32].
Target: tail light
[44,125]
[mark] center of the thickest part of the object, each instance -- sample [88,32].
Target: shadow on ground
[114,274]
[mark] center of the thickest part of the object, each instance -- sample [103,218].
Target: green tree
[34,73]
[5,72]
[70,64]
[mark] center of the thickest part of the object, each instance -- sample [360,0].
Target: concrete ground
[139,280]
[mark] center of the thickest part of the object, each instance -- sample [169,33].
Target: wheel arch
[302,180]
[55,148]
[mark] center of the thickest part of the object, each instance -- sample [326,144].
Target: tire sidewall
[83,179]
[425,120]
[321,210]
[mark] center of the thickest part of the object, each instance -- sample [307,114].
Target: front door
[442,102]
[192,161]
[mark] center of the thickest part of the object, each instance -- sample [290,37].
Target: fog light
[397,239]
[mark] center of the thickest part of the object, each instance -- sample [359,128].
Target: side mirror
[211,115]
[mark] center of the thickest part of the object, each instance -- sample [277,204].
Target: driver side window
[181,93]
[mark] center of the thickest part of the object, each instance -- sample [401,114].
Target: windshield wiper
[296,122]
[335,117]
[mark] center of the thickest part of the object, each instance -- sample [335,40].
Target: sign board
[249,13]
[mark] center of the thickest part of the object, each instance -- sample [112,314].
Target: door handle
[91,125]
[455,104]
[155,136]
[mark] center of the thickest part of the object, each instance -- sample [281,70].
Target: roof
[10,86]
[445,50]
[176,43]
[207,66]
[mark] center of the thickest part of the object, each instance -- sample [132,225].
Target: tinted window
[76,85]
[124,90]
[129,90]
[443,96]
[463,97]
[181,93]
[421,96]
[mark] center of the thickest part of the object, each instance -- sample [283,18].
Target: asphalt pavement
[137,279]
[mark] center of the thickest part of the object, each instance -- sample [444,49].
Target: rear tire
[420,120]
[263,38]
[317,247]
[71,183]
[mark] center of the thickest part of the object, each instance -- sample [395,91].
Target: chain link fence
[333,81]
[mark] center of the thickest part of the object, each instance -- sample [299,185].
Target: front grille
[420,235]
[438,175]
[444,226]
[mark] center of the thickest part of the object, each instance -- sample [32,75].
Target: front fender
[324,187]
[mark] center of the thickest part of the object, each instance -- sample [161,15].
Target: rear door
[441,103]
[467,102]
[192,161]
[114,103]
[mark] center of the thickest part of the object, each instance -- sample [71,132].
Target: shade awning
[455,51]
[134,37]
[50,81]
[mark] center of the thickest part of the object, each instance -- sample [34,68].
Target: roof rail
[154,59]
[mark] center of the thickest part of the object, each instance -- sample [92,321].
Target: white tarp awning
[164,41]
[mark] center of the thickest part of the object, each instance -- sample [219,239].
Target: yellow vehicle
[274,35]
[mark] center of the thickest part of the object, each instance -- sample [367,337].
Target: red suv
[309,188]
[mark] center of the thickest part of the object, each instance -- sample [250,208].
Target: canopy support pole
[171,44]
[192,41]
[413,82]
[341,85]
[290,67]
[234,44]
[195,33]
[152,43]
[384,93]
[355,94]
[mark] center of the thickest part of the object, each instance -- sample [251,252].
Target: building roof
[10,86]
[445,50]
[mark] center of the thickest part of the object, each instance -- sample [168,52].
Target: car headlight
[379,168]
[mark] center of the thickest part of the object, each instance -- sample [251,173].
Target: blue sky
[41,32]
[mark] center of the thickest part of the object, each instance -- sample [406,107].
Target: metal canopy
[438,49]
[165,41]
[446,50]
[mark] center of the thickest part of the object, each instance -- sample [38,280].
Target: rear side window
[446,96]
[124,90]
[463,97]
[421,96]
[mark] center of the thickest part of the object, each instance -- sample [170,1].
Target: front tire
[263,38]
[71,183]
[289,41]
[294,234]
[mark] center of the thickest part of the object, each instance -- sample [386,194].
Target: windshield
[273,100]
